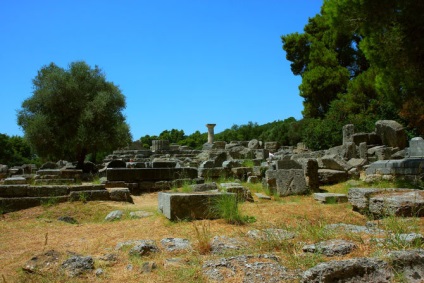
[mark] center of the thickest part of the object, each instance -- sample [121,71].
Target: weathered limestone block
[179,206]
[71,174]
[272,146]
[86,187]
[51,182]
[408,263]
[48,191]
[348,131]
[207,164]
[131,175]
[310,168]
[213,173]
[212,186]
[331,247]
[416,148]
[51,172]
[253,144]
[252,268]
[16,180]
[13,191]
[231,163]
[359,198]
[330,197]
[120,194]
[398,203]
[163,164]
[117,163]
[287,182]
[391,133]
[288,164]
[355,270]
[242,193]
[91,195]
[14,204]
[349,150]
[241,172]
[334,162]
[328,176]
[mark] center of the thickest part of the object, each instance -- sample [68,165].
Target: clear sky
[180,63]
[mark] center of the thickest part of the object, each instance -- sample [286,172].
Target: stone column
[210,132]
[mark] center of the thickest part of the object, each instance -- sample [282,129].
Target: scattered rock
[175,244]
[144,248]
[242,193]
[331,247]
[271,234]
[114,215]
[77,265]
[204,187]
[120,194]
[330,197]
[259,268]
[42,262]
[221,244]
[354,228]
[99,271]
[408,263]
[356,270]
[262,196]
[174,262]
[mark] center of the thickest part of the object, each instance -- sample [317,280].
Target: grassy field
[26,233]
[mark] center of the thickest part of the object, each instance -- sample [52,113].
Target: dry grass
[26,233]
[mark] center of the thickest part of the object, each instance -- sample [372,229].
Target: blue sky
[180,64]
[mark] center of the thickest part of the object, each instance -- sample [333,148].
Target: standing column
[210,132]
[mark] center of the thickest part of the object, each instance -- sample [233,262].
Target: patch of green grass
[226,207]
[49,202]
[248,163]
[314,230]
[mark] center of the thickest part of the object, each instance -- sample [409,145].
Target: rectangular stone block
[47,191]
[416,148]
[287,181]
[130,175]
[13,191]
[55,172]
[213,172]
[330,197]
[180,206]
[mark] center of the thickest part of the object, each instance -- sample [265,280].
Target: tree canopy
[362,60]
[73,112]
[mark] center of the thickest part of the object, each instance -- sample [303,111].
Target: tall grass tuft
[226,207]
[203,236]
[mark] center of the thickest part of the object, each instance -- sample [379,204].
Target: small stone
[77,265]
[99,271]
[147,267]
[114,215]
[140,214]
[331,247]
[144,248]
[175,244]
[262,196]
[68,219]
[271,234]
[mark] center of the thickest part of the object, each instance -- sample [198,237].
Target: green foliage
[15,150]
[227,208]
[195,140]
[73,112]
[360,61]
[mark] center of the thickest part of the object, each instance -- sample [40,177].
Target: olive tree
[73,112]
